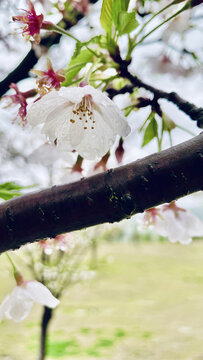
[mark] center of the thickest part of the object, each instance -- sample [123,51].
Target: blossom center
[83,112]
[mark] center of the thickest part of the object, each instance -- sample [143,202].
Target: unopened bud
[78,165]
[119,151]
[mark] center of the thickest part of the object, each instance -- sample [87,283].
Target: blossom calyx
[119,152]
[20,98]
[102,163]
[77,167]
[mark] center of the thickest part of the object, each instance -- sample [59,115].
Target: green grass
[145,305]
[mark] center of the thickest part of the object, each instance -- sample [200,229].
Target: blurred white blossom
[176,223]
[178,25]
[63,242]
[83,275]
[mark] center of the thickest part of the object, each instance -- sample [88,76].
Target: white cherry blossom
[178,25]
[17,305]
[79,118]
[175,223]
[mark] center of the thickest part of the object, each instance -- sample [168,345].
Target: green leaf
[106,16]
[127,22]
[7,194]
[9,190]
[78,47]
[149,118]
[76,64]
[118,6]
[151,132]
[104,41]
[128,109]
[10,186]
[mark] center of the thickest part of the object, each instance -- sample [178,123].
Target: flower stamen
[83,110]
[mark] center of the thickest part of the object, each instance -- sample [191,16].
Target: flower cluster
[178,25]
[79,118]
[62,243]
[178,224]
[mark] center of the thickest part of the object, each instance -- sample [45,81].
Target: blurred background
[131,294]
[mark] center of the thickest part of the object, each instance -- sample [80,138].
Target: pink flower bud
[119,151]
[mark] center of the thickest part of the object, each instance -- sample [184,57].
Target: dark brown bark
[194,112]
[108,197]
[46,317]
[196,2]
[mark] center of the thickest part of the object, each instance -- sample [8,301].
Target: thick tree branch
[194,112]
[108,197]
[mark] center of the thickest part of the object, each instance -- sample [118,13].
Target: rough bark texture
[108,197]
[194,112]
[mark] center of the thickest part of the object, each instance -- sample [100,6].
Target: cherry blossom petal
[72,94]
[40,294]
[40,110]
[192,223]
[60,116]
[114,118]
[92,146]
[17,305]
[178,226]
[3,306]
